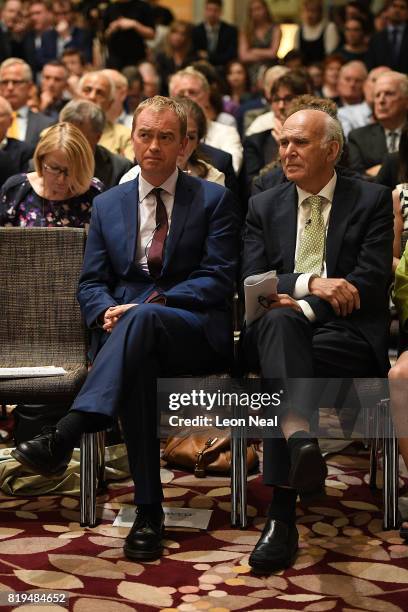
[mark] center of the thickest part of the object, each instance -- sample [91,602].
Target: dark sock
[298,439]
[75,423]
[283,505]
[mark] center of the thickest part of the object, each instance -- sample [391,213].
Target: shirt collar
[397,130]
[327,192]
[22,112]
[169,185]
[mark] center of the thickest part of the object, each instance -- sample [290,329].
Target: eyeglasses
[285,99]
[55,170]
[14,82]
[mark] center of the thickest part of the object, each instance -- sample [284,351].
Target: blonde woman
[60,191]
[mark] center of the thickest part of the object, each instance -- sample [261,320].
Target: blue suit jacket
[81,39]
[199,265]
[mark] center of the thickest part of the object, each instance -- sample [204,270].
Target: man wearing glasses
[16,80]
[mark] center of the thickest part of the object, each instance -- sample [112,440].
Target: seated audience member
[214,110]
[316,37]
[135,88]
[41,20]
[265,120]
[117,113]
[75,62]
[151,79]
[127,25]
[65,34]
[215,40]
[398,375]
[162,306]
[355,44]
[192,160]
[54,82]
[60,191]
[315,72]
[381,18]
[353,116]
[260,39]
[262,148]
[14,154]
[391,44]
[369,145]
[10,29]
[177,52]
[90,119]
[329,238]
[331,71]
[16,81]
[238,87]
[192,84]
[350,83]
[99,88]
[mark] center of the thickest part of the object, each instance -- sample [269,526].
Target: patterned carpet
[346,562]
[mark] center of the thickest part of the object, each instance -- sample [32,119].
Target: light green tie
[311,249]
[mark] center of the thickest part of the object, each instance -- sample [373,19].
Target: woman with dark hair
[177,53]
[215,110]
[260,40]
[238,87]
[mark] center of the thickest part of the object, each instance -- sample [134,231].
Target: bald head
[309,148]
[98,88]
[351,81]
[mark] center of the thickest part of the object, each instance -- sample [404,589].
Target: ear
[333,149]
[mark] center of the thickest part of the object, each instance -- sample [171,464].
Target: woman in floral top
[60,191]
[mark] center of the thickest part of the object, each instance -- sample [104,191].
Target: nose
[155,144]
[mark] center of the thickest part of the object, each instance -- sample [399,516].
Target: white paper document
[36,372]
[198,518]
[256,287]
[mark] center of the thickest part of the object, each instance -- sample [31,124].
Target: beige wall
[182,9]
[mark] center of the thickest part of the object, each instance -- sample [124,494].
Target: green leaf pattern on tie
[311,249]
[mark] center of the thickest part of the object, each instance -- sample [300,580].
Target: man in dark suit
[215,40]
[16,80]
[41,20]
[390,45]
[14,155]
[65,35]
[369,145]
[157,279]
[329,238]
[90,119]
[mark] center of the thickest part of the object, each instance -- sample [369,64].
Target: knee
[282,317]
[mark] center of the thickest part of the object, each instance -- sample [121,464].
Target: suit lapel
[343,202]
[130,211]
[183,200]
[286,217]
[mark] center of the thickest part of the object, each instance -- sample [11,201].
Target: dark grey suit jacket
[367,147]
[37,122]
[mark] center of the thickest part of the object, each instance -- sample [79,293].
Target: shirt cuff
[307,310]
[302,286]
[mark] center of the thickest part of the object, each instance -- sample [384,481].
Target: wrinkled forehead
[388,83]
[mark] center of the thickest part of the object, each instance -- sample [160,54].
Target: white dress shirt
[226,138]
[147,214]
[304,212]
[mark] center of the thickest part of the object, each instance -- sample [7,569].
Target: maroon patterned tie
[156,251]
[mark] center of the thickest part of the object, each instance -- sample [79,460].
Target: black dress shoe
[308,470]
[45,454]
[276,548]
[144,540]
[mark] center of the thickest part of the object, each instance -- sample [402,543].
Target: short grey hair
[192,73]
[160,104]
[400,76]
[79,112]
[13,61]
[334,132]
[99,73]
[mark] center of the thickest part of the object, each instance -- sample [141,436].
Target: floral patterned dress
[21,206]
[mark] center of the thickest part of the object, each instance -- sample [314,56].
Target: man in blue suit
[157,283]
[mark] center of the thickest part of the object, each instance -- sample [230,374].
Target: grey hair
[189,72]
[402,78]
[80,111]
[12,61]
[334,132]
[101,73]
